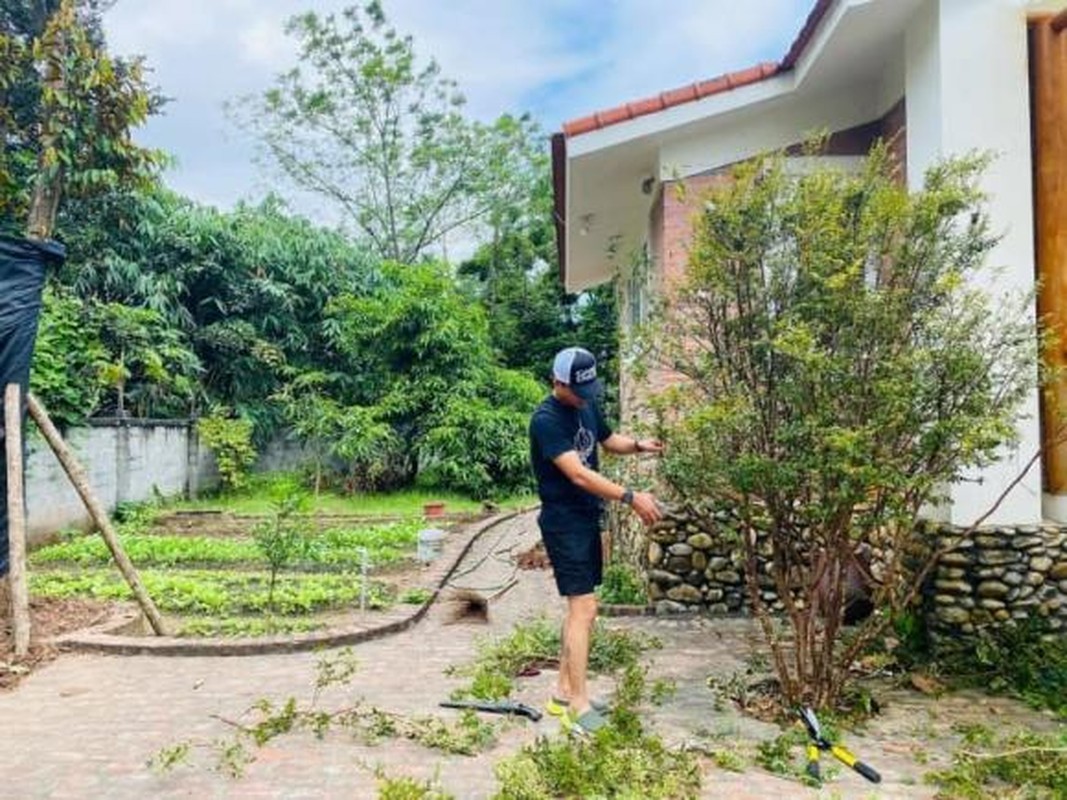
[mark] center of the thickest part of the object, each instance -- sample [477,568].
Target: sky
[556,59]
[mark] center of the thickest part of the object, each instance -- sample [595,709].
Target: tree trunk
[16,512]
[80,482]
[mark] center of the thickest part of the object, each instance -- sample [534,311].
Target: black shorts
[577,558]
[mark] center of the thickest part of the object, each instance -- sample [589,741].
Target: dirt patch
[534,558]
[49,617]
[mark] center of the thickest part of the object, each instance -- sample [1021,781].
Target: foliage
[515,275]
[420,359]
[1025,764]
[406,788]
[216,593]
[66,111]
[622,760]
[267,720]
[284,538]
[535,642]
[622,585]
[1027,660]
[230,441]
[247,288]
[361,123]
[94,357]
[841,368]
[245,626]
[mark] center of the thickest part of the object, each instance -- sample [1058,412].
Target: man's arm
[643,503]
[627,445]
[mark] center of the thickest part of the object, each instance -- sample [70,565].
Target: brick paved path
[84,726]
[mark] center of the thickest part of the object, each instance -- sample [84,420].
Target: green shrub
[622,586]
[230,441]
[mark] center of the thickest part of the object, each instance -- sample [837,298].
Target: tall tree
[362,123]
[66,111]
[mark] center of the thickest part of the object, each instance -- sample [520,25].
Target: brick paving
[85,726]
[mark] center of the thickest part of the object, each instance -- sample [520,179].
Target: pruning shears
[500,707]
[820,743]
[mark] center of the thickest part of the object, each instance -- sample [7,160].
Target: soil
[49,617]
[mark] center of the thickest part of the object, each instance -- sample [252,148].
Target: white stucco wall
[968,89]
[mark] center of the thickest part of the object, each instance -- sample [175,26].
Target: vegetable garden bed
[208,584]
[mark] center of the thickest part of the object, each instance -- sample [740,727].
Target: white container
[431,541]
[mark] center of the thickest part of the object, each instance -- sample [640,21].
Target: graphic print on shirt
[584,442]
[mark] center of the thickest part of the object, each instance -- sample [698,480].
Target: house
[931,77]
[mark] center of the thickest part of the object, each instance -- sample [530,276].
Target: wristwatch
[637,446]
[628,497]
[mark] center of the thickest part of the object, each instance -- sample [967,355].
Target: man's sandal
[557,706]
[583,725]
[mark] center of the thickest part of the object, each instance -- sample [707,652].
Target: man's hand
[646,507]
[649,446]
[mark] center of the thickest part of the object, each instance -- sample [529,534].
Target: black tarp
[22,270]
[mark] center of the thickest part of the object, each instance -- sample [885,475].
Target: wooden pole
[16,515]
[1048,64]
[80,481]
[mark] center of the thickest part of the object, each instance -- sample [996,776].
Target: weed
[622,586]
[415,597]
[537,642]
[622,760]
[170,757]
[663,689]
[406,788]
[1023,764]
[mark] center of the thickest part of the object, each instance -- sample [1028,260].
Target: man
[564,432]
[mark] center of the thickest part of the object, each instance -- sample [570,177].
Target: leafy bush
[230,440]
[1024,764]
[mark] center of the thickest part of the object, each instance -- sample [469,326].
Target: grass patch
[262,492]
[402,787]
[622,760]
[537,642]
[1024,765]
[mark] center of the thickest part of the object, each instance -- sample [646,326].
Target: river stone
[728,576]
[668,607]
[955,560]
[700,541]
[700,562]
[695,578]
[953,615]
[1001,615]
[655,553]
[664,535]
[685,594]
[1012,578]
[1041,564]
[985,602]
[953,587]
[1034,578]
[992,589]
[680,549]
[1027,542]
[655,591]
[991,541]
[663,577]
[679,564]
[718,608]
[986,573]
[951,573]
[1059,572]
[713,594]
[945,599]
[994,557]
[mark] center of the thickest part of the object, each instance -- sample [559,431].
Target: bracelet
[627,497]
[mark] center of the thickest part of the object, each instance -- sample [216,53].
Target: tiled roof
[702,89]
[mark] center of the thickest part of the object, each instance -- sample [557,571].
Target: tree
[841,369]
[364,125]
[66,111]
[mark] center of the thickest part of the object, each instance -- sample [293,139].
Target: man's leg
[574,658]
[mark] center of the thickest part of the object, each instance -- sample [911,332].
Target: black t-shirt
[556,428]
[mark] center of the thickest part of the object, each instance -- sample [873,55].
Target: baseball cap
[576,367]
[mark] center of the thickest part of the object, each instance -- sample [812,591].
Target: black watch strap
[628,497]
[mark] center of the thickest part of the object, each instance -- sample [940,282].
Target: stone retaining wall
[695,563]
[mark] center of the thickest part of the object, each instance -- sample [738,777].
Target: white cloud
[557,58]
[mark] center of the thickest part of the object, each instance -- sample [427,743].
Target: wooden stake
[80,482]
[16,516]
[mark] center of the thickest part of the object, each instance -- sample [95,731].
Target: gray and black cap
[576,367]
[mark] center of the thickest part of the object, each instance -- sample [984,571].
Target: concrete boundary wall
[126,461]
